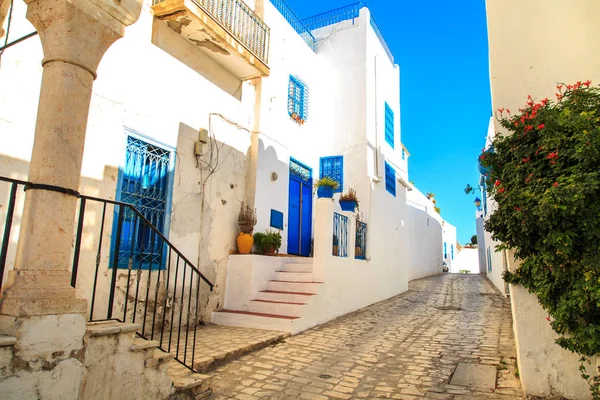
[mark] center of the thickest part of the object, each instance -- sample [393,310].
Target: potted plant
[268,243]
[326,186]
[247,221]
[349,201]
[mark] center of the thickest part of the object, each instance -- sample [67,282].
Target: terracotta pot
[270,251]
[245,242]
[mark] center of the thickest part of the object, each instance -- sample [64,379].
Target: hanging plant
[545,177]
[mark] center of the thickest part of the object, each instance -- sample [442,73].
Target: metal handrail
[144,297]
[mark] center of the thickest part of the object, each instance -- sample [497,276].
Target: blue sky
[441,47]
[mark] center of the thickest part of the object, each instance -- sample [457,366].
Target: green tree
[474,239]
[545,177]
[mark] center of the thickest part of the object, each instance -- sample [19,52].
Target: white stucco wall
[424,238]
[449,238]
[521,64]
[163,101]
[467,259]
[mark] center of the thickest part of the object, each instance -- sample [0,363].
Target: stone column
[75,35]
[38,307]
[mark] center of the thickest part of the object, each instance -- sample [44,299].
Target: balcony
[227,32]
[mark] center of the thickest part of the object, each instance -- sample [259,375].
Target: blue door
[144,183]
[300,209]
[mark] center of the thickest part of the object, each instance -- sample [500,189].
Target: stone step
[293,276]
[287,286]
[111,328]
[297,267]
[283,323]
[186,382]
[284,296]
[276,307]
[158,357]
[140,344]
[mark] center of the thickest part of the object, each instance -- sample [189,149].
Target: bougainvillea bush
[544,174]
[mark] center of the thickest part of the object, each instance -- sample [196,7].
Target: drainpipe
[377,177]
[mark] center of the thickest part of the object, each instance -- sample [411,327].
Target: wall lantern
[477,202]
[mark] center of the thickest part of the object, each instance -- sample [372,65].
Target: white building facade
[189,117]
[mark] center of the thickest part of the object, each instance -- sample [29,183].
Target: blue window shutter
[445,251]
[389,125]
[276,219]
[333,167]
[452,251]
[403,155]
[390,179]
[298,96]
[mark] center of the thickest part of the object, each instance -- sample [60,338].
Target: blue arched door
[300,209]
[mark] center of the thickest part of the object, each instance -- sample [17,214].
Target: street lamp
[477,203]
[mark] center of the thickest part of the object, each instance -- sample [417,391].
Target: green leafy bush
[545,177]
[327,181]
[265,242]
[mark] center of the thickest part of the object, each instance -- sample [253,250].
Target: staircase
[280,303]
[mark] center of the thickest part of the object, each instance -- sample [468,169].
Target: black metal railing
[130,272]
[360,245]
[340,235]
[7,212]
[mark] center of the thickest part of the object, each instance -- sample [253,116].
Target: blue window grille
[445,250]
[145,185]
[403,154]
[360,248]
[389,125]
[333,167]
[298,100]
[452,251]
[340,235]
[390,179]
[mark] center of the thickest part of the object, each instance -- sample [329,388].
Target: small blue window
[452,251]
[489,256]
[389,125]
[403,155]
[333,167]
[297,100]
[445,251]
[276,219]
[390,179]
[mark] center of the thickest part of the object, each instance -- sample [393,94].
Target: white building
[494,262]
[192,114]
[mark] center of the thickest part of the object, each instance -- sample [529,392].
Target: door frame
[119,187]
[303,183]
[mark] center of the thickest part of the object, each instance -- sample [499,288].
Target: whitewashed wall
[449,237]
[467,259]
[158,97]
[424,237]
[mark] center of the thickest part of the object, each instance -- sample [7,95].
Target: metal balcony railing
[296,23]
[241,22]
[341,14]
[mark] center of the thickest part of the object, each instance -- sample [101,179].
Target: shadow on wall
[424,243]
[203,228]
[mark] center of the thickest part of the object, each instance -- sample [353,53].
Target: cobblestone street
[404,348]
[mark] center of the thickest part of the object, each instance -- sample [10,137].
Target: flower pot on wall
[325,192]
[245,242]
[348,205]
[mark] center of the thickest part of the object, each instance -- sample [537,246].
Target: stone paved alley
[404,348]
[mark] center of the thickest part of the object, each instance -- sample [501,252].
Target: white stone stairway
[280,306]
